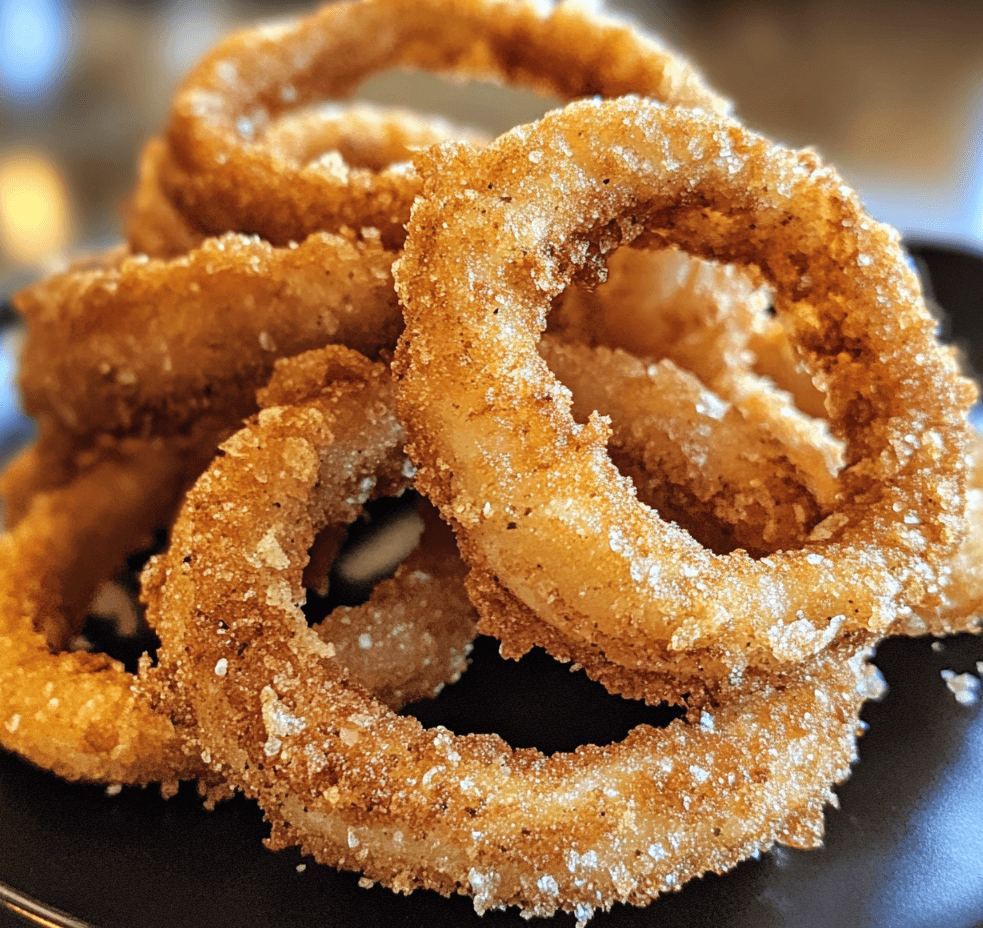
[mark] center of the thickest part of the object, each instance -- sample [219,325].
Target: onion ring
[76,713]
[223,174]
[146,347]
[414,633]
[355,136]
[82,716]
[124,346]
[631,171]
[360,787]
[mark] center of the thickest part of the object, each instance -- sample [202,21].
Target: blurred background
[891,92]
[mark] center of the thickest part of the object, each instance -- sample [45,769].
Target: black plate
[904,849]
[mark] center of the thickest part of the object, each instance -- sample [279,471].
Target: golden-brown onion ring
[359,136]
[80,714]
[223,173]
[542,507]
[363,788]
[76,713]
[150,347]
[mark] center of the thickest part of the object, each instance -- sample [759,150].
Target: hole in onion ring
[372,549]
[493,107]
[712,419]
[114,623]
[505,697]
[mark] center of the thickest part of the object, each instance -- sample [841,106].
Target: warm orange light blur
[34,211]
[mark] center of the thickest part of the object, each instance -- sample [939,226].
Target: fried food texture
[671,400]
[357,786]
[74,712]
[149,347]
[414,633]
[543,509]
[226,174]
[360,136]
[699,461]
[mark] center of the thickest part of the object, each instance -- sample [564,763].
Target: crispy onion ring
[710,319]
[136,347]
[83,716]
[362,788]
[146,347]
[542,507]
[73,712]
[359,136]
[224,173]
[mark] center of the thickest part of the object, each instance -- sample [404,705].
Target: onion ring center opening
[346,565]
[713,419]
[485,105]
[114,622]
[535,702]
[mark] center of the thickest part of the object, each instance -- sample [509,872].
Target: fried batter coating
[359,136]
[362,788]
[696,459]
[666,304]
[711,319]
[414,634]
[957,605]
[77,713]
[145,347]
[541,506]
[224,174]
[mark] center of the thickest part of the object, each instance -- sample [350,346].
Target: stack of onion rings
[360,787]
[223,172]
[244,152]
[789,452]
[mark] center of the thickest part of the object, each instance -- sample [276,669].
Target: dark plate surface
[905,850]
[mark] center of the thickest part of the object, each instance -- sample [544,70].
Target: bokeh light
[34,47]
[35,222]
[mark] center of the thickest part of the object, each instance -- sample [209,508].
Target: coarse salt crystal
[548,885]
[964,686]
